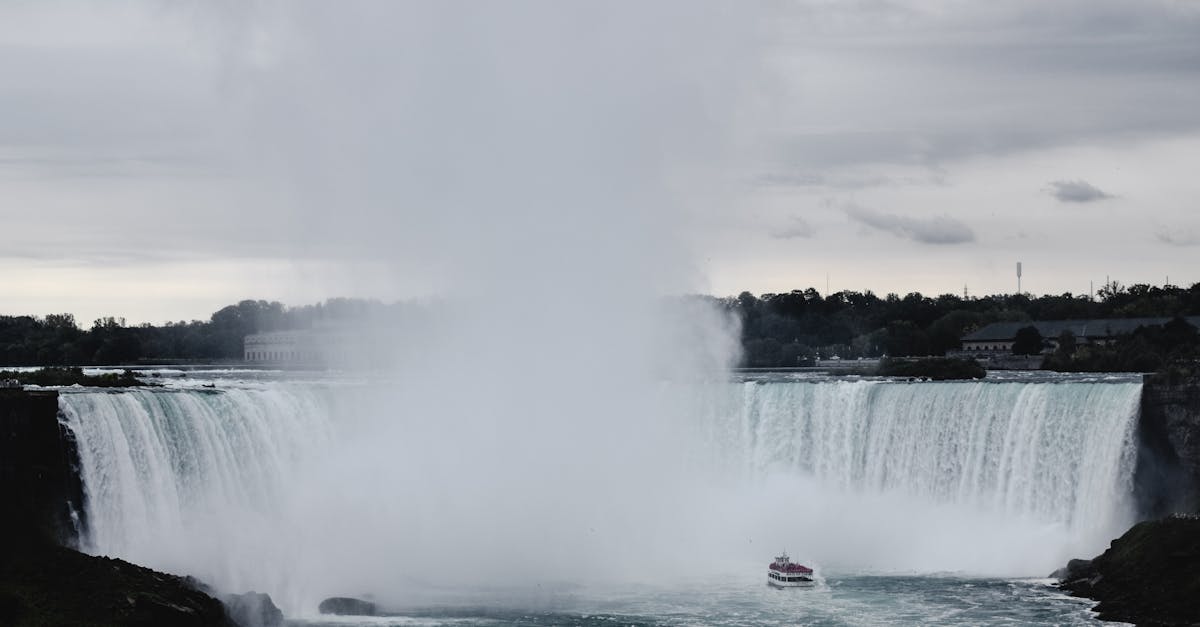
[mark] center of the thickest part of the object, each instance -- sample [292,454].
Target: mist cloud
[1078,191]
[521,159]
[936,230]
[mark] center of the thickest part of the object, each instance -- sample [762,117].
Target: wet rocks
[1148,576]
[253,609]
[50,586]
[347,606]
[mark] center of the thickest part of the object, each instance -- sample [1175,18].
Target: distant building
[322,346]
[280,347]
[998,337]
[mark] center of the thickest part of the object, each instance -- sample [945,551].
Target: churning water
[917,502]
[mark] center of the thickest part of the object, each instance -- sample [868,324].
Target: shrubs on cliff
[72,376]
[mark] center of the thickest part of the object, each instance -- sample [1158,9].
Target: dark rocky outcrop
[40,488]
[49,586]
[253,609]
[1149,576]
[347,606]
[1167,478]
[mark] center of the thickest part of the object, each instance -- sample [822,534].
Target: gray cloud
[796,227]
[1076,191]
[1186,237]
[936,230]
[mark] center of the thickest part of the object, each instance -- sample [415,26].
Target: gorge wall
[1168,472]
[39,479]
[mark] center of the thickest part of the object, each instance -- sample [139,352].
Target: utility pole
[1018,278]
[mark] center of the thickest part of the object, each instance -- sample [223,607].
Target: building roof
[1098,328]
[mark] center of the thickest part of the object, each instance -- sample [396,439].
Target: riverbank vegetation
[63,375]
[794,328]
[1173,346]
[58,340]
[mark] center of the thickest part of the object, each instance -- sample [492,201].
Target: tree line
[777,330]
[797,327]
[58,340]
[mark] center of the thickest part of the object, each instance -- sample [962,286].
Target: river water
[746,601]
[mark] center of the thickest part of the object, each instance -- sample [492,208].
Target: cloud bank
[936,230]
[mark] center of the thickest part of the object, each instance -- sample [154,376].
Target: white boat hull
[789,584]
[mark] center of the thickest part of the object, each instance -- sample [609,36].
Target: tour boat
[782,573]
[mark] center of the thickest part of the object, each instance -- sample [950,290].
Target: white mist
[529,168]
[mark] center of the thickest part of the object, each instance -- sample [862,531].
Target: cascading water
[997,477]
[1056,452]
[189,481]
[984,477]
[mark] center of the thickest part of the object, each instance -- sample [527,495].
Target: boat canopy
[792,568]
[784,564]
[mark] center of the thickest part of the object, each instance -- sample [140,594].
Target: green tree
[1028,341]
[1066,344]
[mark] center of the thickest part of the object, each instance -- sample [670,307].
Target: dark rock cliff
[1168,473]
[39,479]
[1148,576]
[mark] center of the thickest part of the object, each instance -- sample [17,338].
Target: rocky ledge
[46,586]
[348,606]
[43,585]
[1149,576]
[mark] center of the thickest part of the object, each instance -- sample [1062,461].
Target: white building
[281,347]
[336,346]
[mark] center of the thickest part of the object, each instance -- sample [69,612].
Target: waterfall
[985,476]
[188,480]
[1058,452]
[239,486]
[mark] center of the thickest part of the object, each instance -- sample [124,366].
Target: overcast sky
[160,160]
